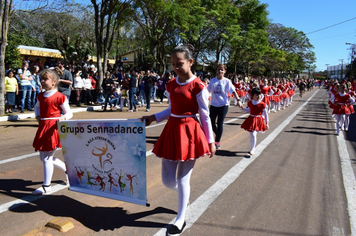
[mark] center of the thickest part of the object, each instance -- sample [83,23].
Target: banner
[106,158]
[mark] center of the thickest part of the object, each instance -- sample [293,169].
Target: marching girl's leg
[253,140]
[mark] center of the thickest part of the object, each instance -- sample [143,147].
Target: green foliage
[299,54]
[21,37]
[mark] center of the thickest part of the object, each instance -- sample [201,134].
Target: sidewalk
[27,115]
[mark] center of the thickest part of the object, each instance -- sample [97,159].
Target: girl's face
[181,65]
[11,74]
[47,82]
[256,97]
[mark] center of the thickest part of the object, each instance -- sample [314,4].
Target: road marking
[18,158]
[349,180]
[19,202]
[199,206]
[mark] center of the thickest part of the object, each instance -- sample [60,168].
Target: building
[41,54]
[337,71]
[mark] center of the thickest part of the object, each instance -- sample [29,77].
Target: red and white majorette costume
[266,92]
[284,89]
[341,102]
[240,90]
[291,91]
[183,137]
[47,137]
[258,117]
[351,106]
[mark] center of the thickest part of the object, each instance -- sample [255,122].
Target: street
[301,181]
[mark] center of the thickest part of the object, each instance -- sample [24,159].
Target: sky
[312,15]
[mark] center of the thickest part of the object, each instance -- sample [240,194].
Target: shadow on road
[95,218]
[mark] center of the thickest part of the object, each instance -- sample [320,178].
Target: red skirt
[342,109]
[352,110]
[266,99]
[241,93]
[254,124]
[182,139]
[47,137]
[284,95]
[276,98]
[291,92]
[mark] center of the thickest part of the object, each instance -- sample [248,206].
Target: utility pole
[352,57]
[342,67]
[327,71]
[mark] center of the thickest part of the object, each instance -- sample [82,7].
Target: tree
[108,16]
[167,23]
[6,10]
[299,54]
[252,42]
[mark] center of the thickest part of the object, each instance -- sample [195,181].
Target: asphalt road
[301,181]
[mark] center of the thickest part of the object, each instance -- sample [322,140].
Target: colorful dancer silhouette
[89,179]
[80,173]
[101,182]
[111,181]
[121,184]
[130,178]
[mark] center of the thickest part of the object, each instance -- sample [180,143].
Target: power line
[331,26]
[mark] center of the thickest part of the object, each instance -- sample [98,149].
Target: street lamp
[352,56]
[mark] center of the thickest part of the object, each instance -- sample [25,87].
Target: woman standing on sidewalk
[220,101]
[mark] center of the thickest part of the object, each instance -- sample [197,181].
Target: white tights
[49,161]
[176,176]
[340,120]
[253,140]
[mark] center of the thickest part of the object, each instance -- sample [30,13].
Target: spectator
[65,81]
[141,86]
[78,85]
[11,90]
[107,85]
[133,90]
[115,98]
[36,84]
[149,83]
[26,87]
[161,85]
[88,98]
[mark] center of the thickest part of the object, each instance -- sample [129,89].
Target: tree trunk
[5,10]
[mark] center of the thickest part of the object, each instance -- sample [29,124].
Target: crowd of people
[341,100]
[120,88]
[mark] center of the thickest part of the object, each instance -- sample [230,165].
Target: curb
[32,114]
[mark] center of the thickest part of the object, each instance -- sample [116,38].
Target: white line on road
[18,158]
[349,181]
[19,202]
[199,206]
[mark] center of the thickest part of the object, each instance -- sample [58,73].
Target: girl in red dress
[183,139]
[351,106]
[49,106]
[341,101]
[258,118]
[266,92]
